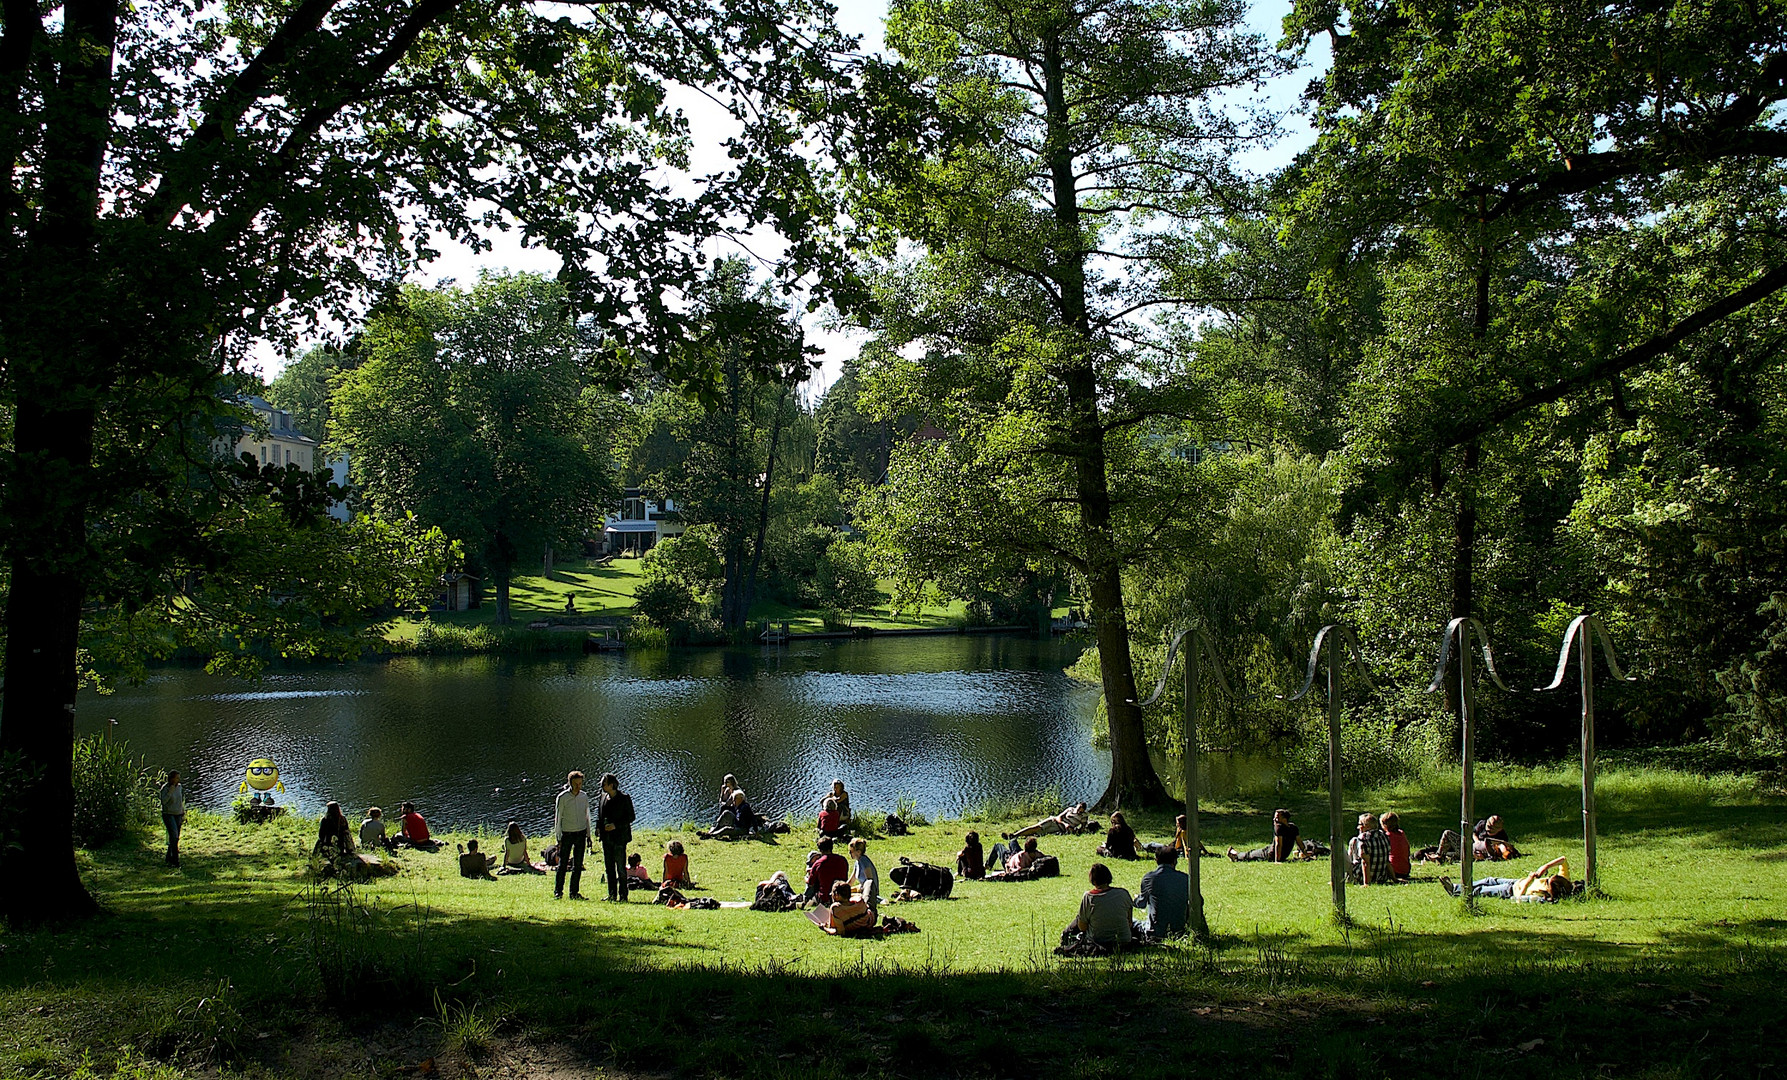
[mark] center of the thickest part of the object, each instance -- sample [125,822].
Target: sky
[710,127]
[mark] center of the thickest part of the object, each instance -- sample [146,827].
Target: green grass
[607,591]
[1676,971]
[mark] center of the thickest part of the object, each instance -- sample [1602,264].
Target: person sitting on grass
[1368,854]
[849,916]
[831,823]
[728,785]
[824,869]
[515,856]
[971,861]
[838,795]
[1104,913]
[414,830]
[1177,844]
[333,834]
[866,877]
[1399,845]
[472,862]
[1165,894]
[1282,847]
[638,877]
[1492,841]
[1539,887]
[735,822]
[1069,820]
[373,835]
[676,866]
[1119,840]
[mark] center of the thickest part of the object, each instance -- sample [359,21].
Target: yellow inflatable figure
[262,776]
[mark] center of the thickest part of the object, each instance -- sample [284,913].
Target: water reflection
[948,720]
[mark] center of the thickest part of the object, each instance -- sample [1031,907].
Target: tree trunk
[57,367]
[502,594]
[749,587]
[1133,783]
[40,881]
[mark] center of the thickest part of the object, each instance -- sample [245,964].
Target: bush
[113,792]
[1374,749]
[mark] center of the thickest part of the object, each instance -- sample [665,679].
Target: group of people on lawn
[849,889]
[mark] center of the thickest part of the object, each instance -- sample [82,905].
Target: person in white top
[570,830]
[372,830]
[173,814]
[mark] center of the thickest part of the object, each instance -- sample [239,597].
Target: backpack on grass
[930,882]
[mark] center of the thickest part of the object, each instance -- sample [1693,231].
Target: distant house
[459,592]
[640,523]
[283,444]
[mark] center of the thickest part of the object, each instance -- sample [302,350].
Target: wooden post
[1585,661]
[1336,842]
[1200,929]
[1467,708]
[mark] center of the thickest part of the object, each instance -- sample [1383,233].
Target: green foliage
[668,604]
[303,386]
[473,413]
[113,792]
[366,954]
[464,1026]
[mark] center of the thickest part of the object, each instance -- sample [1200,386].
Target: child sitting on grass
[638,877]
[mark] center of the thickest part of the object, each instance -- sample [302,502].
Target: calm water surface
[948,720]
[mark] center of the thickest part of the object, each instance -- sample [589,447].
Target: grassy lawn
[604,591]
[1675,972]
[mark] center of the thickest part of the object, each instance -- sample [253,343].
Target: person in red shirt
[1399,845]
[415,829]
[824,869]
[676,865]
[831,822]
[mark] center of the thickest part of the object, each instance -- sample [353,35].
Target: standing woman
[614,822]
[173,814]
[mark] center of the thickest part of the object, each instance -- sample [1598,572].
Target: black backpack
[895,826]
[930,882]
[1046,866]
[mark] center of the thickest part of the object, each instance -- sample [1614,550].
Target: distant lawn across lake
[237,962]
[606,591]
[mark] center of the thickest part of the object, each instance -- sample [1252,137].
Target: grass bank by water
[232,963]
[606,592]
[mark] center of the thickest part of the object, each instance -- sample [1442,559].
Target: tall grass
[449,639]
[113,792]
[1036,804]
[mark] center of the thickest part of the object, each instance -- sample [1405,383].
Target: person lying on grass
[1539,887]
[971,861]
[1120,840]
[1282,847]
[1070,819]
[1178,844]
[1103,918]
[676,866]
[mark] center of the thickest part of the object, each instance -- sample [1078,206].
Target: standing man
[614,821]
[570,830]
[173,814]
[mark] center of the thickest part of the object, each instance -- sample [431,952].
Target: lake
[947,720]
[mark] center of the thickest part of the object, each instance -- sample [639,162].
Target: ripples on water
[949,720]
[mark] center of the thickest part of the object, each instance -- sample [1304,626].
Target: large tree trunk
[57,364]
[1133,780]
[39,880]
[749,588]
[502,575]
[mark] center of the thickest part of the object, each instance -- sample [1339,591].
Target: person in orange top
[676,865]
[1399,845]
